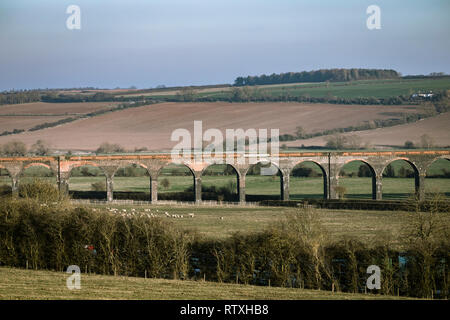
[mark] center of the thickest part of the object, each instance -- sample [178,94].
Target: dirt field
[25,122]
[437,128]
[152,126]
[43,108]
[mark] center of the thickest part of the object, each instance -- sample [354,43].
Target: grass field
[361,88]
[44,285]
[366,226]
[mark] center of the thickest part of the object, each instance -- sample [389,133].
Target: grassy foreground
[32,284]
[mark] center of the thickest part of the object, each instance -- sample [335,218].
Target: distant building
[423,95]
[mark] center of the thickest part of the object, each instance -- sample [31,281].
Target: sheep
[191,215]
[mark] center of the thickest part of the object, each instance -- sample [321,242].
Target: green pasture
[353,89]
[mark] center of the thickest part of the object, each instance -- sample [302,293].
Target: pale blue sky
[175,42]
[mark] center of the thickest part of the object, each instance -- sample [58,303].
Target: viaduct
[329,162]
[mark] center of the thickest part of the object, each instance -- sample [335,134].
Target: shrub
[98,186]
[341,191]
[165,183]
[54,237]
[409,145]
[109,148]
[40,190]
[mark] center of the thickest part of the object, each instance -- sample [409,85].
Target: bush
[98,186]
[109,148]
[40,190]
[165,183]
[341,191]
[409,145]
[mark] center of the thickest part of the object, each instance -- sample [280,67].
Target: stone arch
[158,172]
[284,180]
[371,169]
[413,165]
[418,178]
[322,169]
[89,163]
[268,161]
[237,174]
[183,195]
[88,193]
[124,190]
[127,164]
[21,175]
[7,170]
[436,184]
[434,160]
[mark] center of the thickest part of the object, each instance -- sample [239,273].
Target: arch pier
[330,164]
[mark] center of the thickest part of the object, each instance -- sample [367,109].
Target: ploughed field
[151,126]
[436,127]
[28,115]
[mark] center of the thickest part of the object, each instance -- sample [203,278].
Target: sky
[146,43]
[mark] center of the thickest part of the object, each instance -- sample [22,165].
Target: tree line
[318,76]
[16,97]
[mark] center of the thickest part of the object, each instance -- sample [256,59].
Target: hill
[151,126]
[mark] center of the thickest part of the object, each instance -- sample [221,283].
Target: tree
[389,172]
[186,94]
[353,142]
[336,141]
[300,132]
[409,145]
[107,147]
[364,171]
[165,183]
[241,94]
[40,148]
[14,148]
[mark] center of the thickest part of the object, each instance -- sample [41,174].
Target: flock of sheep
[146,212]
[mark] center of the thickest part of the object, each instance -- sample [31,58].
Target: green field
[366,226]
[45,285]
[354,89]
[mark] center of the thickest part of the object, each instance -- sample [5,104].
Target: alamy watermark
[374,280]
[374,20]
[74,281]
[73,22]
[239,146]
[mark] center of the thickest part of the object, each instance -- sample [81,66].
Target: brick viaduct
[329,162]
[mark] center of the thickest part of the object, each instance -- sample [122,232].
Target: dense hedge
[41,233]
[360,204]
[44,236]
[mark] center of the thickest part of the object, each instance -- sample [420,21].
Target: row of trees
[17,148]
[15,97]
[317,76]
